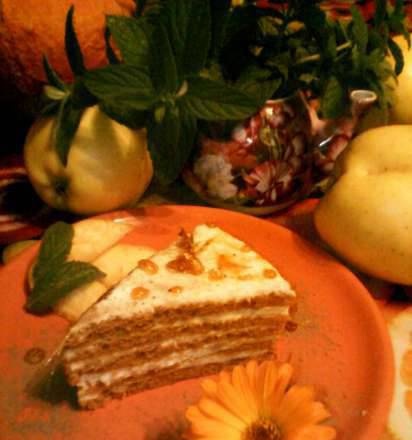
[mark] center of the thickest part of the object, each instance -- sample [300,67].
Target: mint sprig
[162,82]
[307,50]
[54,276]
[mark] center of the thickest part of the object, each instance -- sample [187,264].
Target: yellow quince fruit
[401,111]
[108,165]
[366,215]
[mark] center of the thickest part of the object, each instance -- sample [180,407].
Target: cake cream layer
[191,356]
[209,272]
[157,331]
[140,354]
[123,326]
[93,395]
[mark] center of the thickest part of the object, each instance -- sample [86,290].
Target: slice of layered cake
[205,302]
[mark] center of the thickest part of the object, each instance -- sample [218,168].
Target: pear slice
[116,263]
[92,237]
[73,305]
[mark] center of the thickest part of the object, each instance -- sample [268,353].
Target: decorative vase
[331,137]
[265,164]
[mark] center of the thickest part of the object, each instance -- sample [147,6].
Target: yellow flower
[257,402]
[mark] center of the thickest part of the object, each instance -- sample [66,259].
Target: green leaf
[333,99]
[212,100]
[73,51]
[130,36]
[52,76]
[314,19]
[147,7]
[188,23]
[66,125]
[171,138]
[56,284]
[257,84]
[220,13]
[110,54]
[129,86]
[49,108]
[359,29]
[380,12]
[330,49]
[55,246]
[163,70]
[130,117]
[397,54]
[80,95]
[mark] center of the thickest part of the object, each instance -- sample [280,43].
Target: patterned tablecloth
[395,303]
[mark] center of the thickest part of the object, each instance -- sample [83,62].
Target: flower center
[263,429]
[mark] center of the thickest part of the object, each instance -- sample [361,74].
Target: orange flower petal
[209,387]
[293,399]
[307,414]
[270,380]
[234,401]
[207,427]
[225,375]
[240,381]
[284,376]
[210,428]
[313,433]
[260,377]
[219,413]
[251,371]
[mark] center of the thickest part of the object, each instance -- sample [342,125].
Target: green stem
[316,57]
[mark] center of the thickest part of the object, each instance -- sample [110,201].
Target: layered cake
[205,302]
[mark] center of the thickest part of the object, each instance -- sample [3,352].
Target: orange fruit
[32,28]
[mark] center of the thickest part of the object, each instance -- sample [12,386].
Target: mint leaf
[73,51]
[50,108]
[130,117]
[256,83]
[333,99]
[80,95]
[128,85]
[188,25]
[130,37]
[52,76]
[220,14]
[66,124]
[110,54]
[398,22]
[359,29]
[57,283]
[171,135]
[397,54]
[380,12]
[163,68]
[212,100]
[55,246]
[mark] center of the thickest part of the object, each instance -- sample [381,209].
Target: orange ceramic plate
[341,345]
